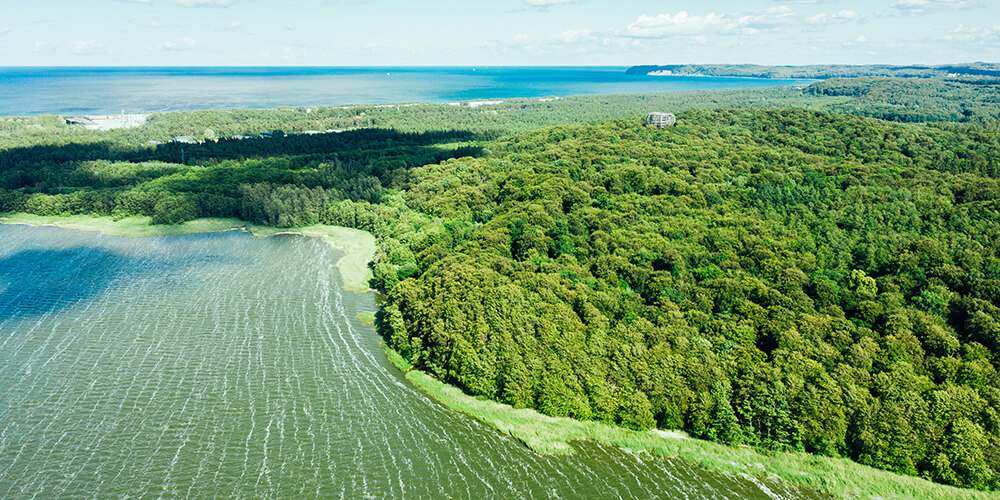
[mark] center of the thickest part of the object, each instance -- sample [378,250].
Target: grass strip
[839,477]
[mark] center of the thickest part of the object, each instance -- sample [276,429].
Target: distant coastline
[816,72]
[700,75]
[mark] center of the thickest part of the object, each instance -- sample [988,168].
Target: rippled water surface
[104,90]
[227,365]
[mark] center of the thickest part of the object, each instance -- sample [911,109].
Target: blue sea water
[29,91]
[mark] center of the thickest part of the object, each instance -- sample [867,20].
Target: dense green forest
[486,122]
[783,279]
[789,279]
[908,100]
[821,71]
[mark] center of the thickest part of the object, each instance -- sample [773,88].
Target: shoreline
[836,477]
[799,81]
[357,246]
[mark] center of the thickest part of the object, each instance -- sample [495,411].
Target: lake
[29,91]
[227,365]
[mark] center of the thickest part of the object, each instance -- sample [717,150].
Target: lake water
[233,366]
[33,91]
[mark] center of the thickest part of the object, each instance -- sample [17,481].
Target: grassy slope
[358,246]
[544,434]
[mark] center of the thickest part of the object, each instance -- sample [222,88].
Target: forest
[809,275]
[909,100]
[821,71]
[783,279]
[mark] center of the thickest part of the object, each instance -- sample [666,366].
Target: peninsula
[817,72]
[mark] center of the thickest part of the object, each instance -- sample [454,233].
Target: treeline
[277,181]
[787,280]
[350,146]
[483,123]
[820,71]
[903,100]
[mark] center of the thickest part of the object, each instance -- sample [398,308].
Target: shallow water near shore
[228,365]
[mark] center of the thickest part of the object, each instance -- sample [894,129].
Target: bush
[174,209]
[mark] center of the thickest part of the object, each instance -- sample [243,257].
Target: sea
[30,91]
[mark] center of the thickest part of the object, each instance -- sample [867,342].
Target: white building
[661,120]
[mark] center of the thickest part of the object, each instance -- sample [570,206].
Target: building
[108,122]
[83,122]
[476,104]
[661,120]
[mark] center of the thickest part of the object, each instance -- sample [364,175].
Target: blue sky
[499,32]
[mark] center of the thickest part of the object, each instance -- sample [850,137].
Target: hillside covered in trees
[787,279]
[821,71]
[908,100]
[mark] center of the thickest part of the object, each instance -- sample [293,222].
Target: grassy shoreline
[358,246]
[543,434]
[839,477]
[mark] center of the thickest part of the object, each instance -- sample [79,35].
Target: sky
[498,32]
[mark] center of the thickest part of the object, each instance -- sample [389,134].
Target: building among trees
[661,120]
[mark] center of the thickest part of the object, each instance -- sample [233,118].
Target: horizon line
[485,65]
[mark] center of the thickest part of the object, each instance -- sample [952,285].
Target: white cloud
[844,16]
[684,24]
[205,3]
[621,43]
[549,3]
[178,44]
[85,46]
[677,24]
[519,41]
[575,36]
[4,31]
[860,40]
[975,35]
[44,47]
[582,41]
[918,7]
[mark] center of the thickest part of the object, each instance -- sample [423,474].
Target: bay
[29,91]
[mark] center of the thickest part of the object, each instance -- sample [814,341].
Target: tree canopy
[787,279]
